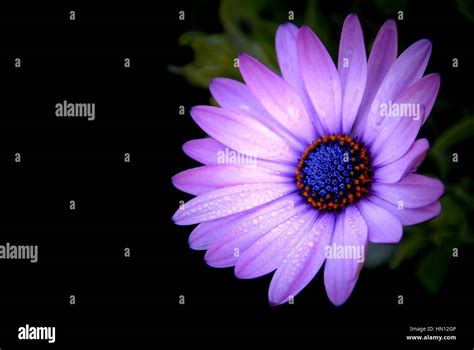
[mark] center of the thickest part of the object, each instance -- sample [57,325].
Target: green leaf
[409,247]
[456,134]
[378,254]
[314,18]
[451,214]
[463,191]
[465,233]
[466,7]
[390,7]
[432,269]
[246,29]
[214,57]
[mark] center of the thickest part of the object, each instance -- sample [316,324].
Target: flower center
[333,172]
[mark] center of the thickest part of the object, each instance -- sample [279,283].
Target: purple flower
[310,166]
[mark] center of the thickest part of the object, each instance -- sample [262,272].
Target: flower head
[307,168]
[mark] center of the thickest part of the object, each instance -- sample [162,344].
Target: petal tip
[437,210]
[306,29]
[274,301]
[240,273]
[442,188]
[337,298]
[214,83]
[425,143]
[351,17]
[193,110]
[435,78]
[336,302]
[244,57]
[286,26]
[186,147]
[390,24]
[425,44]
[176,219]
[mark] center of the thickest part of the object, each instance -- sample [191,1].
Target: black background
[123,205]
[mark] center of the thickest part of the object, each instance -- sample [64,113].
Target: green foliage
[466,7]
[214,56]
[244,30]
[314,18]
[247,31]
[378,254]
[432,268]
[451,229]
[457,134]
[413,242]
